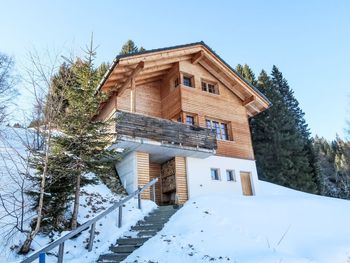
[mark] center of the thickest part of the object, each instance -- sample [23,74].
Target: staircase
[139,234]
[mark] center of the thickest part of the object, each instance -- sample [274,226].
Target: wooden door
[246,183]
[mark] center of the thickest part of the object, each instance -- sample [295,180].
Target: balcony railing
[164,131]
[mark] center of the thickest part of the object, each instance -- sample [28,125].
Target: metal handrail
[92,224]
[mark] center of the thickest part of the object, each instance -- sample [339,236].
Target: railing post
[139,199]
[42,258]
[60,253]
[120,214]
[92,236]
[154,192]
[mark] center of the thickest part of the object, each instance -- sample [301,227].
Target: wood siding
[154,172]
[181,179]
[143,172]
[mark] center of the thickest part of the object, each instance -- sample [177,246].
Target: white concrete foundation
[127,171]
[199,180]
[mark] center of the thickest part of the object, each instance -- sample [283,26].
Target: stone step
[131,241]
[113,257]
[147,233]
[161,214]
[147,227]
[124,248]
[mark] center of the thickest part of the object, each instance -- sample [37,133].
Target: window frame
[190,116]
[190,77]
[206,84]
[217,126]
[234,179]
[217,173]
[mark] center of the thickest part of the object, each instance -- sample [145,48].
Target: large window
[210,87]
[187,81]
[215,175]
[220,129]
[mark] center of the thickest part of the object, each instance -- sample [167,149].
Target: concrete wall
[199,177]
[127,172]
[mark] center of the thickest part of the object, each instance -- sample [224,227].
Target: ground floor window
[215,174]
[230,174]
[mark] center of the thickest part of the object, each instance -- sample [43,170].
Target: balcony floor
[160,152]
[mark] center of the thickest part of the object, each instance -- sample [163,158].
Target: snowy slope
[280,225]
[94,200]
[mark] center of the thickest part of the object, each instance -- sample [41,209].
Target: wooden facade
[182,84]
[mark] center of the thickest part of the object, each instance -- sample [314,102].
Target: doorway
[246,183]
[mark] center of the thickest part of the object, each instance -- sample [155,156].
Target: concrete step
[147,233]
[147,227]
[124,248]
[131,241]
[113,257]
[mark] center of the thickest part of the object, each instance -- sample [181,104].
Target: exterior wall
[181,179]
[127,172]
[225,107]
[143,175]
[148,101]
[199,178]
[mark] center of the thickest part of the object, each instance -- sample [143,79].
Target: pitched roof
[130,60]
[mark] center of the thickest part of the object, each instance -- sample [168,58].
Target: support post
[154,192]
[42,258]
[120,214]
[60,253]
[133,96]
[139,199]
[92,236]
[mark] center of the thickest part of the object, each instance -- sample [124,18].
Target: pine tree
[82,147]
[130,47]
[247,73]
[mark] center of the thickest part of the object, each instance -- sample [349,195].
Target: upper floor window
[187,81]
[214,173]
[220,129]
[189,120]
[210,87]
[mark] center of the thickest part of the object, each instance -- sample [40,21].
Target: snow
[94,200]
[279,225]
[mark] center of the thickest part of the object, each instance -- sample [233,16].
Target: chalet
[182,115]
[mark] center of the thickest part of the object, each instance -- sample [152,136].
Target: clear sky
[308,40]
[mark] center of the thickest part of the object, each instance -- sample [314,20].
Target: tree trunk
[26,245]
[74,222]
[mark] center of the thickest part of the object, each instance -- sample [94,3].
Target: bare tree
[47,106]
[14,172]
[7,84]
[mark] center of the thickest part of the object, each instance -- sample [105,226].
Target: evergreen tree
[281,142]
[83,144]
[130,47]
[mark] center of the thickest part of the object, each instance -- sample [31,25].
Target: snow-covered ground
[94,200]
[279,225]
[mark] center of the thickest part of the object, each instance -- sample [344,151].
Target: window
[215,174]
[220,129]
[176,82]
[230,174]
[210,87]
[189,120]
[187,81]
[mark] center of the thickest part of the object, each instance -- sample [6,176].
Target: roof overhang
[155,65]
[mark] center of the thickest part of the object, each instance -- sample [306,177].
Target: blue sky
[308,40]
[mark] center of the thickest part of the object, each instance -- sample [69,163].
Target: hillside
[280,225]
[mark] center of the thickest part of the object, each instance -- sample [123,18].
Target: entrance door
[246,183]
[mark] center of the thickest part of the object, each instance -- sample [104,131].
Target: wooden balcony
[141,129]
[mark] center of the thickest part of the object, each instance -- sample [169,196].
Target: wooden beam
[197,57]
[133,96]
[248,100]
[149,80]
[133,74]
